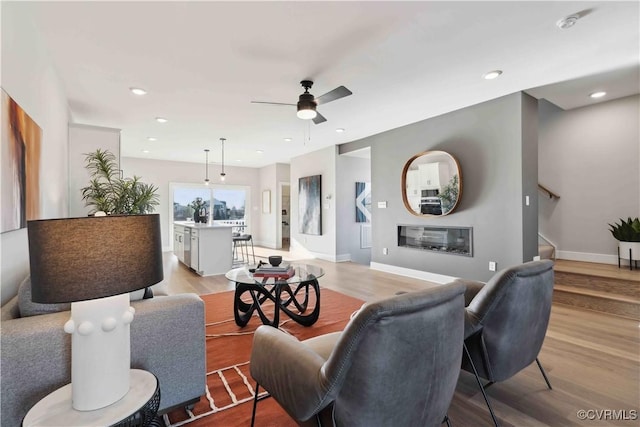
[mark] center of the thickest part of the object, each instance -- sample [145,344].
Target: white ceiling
[203,62]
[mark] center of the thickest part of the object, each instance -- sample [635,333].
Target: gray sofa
[167,339]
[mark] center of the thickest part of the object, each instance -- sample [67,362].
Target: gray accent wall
[590,156]
[349,171]
[495,144]
[529,178]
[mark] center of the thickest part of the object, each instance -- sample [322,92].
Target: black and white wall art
[310,205]
[363,202]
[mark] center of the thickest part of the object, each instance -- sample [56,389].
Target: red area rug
[229,400]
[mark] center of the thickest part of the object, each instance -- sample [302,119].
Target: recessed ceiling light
[492,74]
[161,120]
[238,160]
[568,22]
[259,151]
[138,91]
[151,138]
[340,130]
[145,151]
[599,94]
[288,139]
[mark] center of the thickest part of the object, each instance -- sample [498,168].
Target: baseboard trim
[416,274]
[587,257]
[343,258]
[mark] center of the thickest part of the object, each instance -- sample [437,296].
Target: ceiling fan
[307,103]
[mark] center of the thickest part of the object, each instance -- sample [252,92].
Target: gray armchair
[506,321]
[396,363]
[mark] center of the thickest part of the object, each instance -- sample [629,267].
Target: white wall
[589,156]
[30,79]
[350,170]
[268,232]
[162,172]
[270,178]
[283,172]
[85,139]
[321,162]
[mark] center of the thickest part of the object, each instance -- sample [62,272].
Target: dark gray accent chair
[506,321]
[397,362]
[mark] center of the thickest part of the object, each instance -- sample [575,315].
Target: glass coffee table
[293,296]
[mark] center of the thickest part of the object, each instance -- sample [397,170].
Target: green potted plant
[109,193]
[199,209]
[628,235]
[449,195]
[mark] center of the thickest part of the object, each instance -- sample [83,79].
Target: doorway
[285,191]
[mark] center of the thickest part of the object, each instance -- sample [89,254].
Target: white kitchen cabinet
[210,247]
[195,250]
[178,242]
[413,183]
[433,176]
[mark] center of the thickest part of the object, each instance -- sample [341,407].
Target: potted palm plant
[628,235]
[109,193]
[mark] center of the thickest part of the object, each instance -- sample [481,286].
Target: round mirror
[431,183]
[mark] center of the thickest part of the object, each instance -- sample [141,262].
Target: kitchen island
[206,249]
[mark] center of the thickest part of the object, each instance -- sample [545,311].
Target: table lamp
[94,262]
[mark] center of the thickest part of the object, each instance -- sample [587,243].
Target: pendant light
[206,166]
[222,174]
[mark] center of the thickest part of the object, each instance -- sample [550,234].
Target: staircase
[546,252]
[599,287]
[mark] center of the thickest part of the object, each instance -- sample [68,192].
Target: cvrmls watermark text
[607,414]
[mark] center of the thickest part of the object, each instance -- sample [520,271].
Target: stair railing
[545,190]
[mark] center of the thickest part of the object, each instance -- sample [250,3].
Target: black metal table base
[284,299]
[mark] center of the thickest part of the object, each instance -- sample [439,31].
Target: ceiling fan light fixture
[306,114]
[307,107]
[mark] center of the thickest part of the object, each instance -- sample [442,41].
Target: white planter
[624,247]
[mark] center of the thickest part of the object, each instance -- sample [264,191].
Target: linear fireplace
[448,240]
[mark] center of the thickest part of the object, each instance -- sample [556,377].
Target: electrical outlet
[385,251]
[492,266]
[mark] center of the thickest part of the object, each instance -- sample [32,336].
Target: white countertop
[192,224]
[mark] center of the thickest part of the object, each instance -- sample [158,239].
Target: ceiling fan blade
[337,93]
[271,103]
[319,118]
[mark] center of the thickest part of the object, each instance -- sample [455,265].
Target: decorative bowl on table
[275,260]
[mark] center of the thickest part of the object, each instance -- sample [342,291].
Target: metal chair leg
[446,420]
[475,372]
[544,374]
[255,404]
[252,251]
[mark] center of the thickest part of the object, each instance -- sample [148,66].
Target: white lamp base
[100,351]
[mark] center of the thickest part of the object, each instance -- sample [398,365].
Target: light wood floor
[592,359]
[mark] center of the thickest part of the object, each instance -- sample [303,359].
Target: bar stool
[241,247]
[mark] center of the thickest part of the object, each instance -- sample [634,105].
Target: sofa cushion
[30,308]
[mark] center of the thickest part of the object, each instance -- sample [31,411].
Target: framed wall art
[363,202]
[20,166]
[309,205]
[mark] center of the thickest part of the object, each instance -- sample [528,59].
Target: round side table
[137,408]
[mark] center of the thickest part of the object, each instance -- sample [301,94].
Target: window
[225,204]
